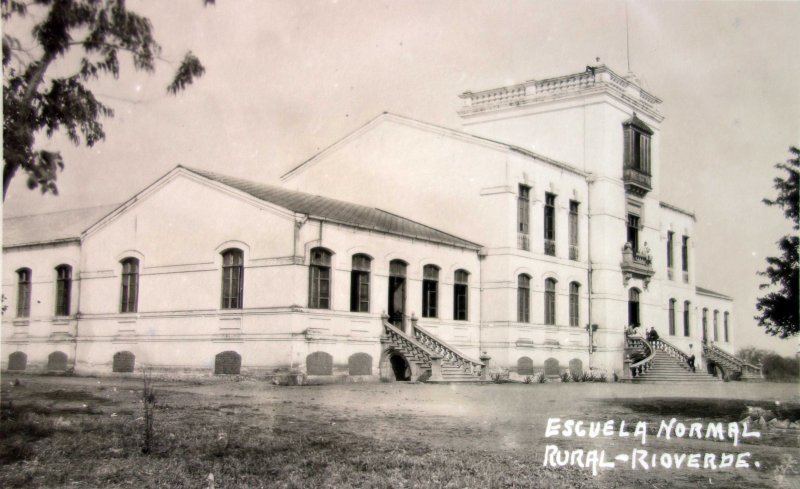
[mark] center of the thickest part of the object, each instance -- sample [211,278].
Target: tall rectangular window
[550,224]
[573,230]
[232,278]
[670,255]
[460,295]
[633,232]
[523,218]
[550,301]
[716,325]
[24,292]
[130,285]
[725,327]
[63,289]
[637,145]
[686,306]
[574,304]
[685,258]
[672,317]
[359,283]
[430,291]
[524,298]
[319,294]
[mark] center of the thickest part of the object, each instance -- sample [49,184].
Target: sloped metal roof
[338,211]
[51,227]
[701,290]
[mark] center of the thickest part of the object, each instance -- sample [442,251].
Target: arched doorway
[400,367]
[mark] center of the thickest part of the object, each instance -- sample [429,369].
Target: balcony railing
[636,181]
[636,264]
[550,247]
[523,241]
[573,252]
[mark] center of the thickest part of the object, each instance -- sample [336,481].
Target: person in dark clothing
[652,335]
[690,359]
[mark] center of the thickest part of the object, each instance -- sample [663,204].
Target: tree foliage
[38,100]
[779,309]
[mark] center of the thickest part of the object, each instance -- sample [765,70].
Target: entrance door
[397,292]
[400,367]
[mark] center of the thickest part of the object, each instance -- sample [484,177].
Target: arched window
[129,301]
[430,291]
[686,306]
[574,304]
[63,289]
[716,325]
[550,301]
[725,327]
[24,292]
[524,298]
[672,317]
[633,308]
[232,278]
[319,293]
[359,283]
[461,295]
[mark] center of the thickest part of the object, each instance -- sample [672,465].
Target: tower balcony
[636,264]
[636,181]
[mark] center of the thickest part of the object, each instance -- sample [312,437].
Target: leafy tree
[38,100]
[779,309]
[752,355]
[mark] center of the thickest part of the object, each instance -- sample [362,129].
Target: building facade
[524,262]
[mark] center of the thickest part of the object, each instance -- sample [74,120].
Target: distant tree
[780,369]
[38,99]
[752,355]
[779,309]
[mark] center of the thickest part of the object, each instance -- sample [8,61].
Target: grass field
[87,432]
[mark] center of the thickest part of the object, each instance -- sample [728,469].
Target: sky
[286,79]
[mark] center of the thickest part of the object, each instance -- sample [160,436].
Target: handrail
[639,368]
[447,352]
[671,350]
[715,351]
[409,341]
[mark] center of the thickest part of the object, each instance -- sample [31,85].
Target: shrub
[527,379]
[148,404]
[540,378]
[566,377]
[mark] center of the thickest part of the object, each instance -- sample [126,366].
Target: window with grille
[672,317]
[550,224]
[686,307]
[634,318]
[573,230]
[523,218]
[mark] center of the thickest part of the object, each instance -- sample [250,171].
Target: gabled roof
[701,290]
[426,126]
[52,227]
[337,211]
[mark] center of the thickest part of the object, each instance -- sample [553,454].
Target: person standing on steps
[690,358]
[652,335]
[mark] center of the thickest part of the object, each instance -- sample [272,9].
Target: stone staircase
[664,363]
[431,354]
[731,364]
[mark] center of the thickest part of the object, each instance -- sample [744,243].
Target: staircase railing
[671,350]
[719,355]
[419,352]
[639,368]
[448,353]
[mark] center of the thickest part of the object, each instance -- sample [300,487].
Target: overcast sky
[285,79]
